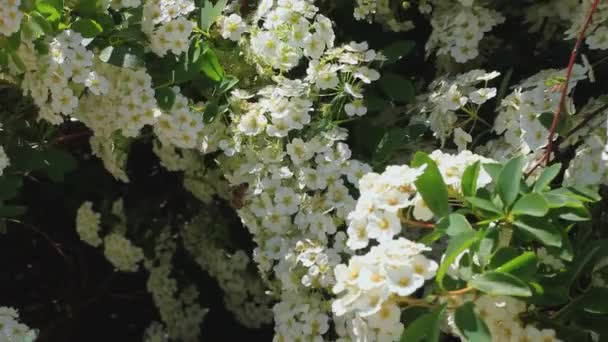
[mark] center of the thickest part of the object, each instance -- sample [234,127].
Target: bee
[238,196]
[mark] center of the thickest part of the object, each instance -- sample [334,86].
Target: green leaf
[595,301]
[12,210]
[523,266]
[457,245]
[87,8]
[397,88]
[390,142]
[430,185]
[51,9]
[547,176]
[211,66]
[585,194]
[38,24]
[531,204]
[470,325]
[484,204]
[58,163]
[509,180]
[9,186]
[88,28]
[209,13]
[540,229]
[574,214]
[165,97]
[397,50]
[227,83]
[211,111]
[469,179]
[498,283]
[17,60]
[425,328]
[125,56]
[493,169]
[457,225]
[14,41]
[564,125]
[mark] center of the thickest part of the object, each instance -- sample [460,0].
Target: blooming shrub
[338,170]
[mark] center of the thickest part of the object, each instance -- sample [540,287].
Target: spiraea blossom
[122,253]
[10,16]
[11,329]
[4,160]
[88,224]
[454,103]
[458,27]
[519,114]
[370,285]
[166,24]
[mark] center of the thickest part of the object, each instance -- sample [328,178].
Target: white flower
[482,95]
[355,108]
[121,253]
[403,280]
[366,74]
[452,100]
[384,225]
[233,27]
[4,161]
[87,224]
[461,138]
[252,123]
[287,201]
[97,84]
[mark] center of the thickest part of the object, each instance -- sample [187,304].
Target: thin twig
[549,150]
[68,137]
[418,224]
[44,235]
[585,121]
[461,291]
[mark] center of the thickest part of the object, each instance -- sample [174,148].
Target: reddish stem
[419,224]
[72,136]
[549,150]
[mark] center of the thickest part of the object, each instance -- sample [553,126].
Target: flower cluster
[596,38]
[519,114]
[451,99]
[127,105]
[243,291]
[122,253]
[118,250]
[10,17]
[11,329]
[380,11]
[178,308]
[291,29]
[4,160]
[590,164]
[166,24]
[61,73]
[179,126]
[88,224]
[372,283]
[501,314]
[458,27]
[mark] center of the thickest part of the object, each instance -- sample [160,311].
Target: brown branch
[562,100]
[69,137]
[418,224]
[461,291]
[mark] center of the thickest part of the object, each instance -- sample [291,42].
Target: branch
[549,150]
[73,136]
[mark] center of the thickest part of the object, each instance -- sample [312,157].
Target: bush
[338,170]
